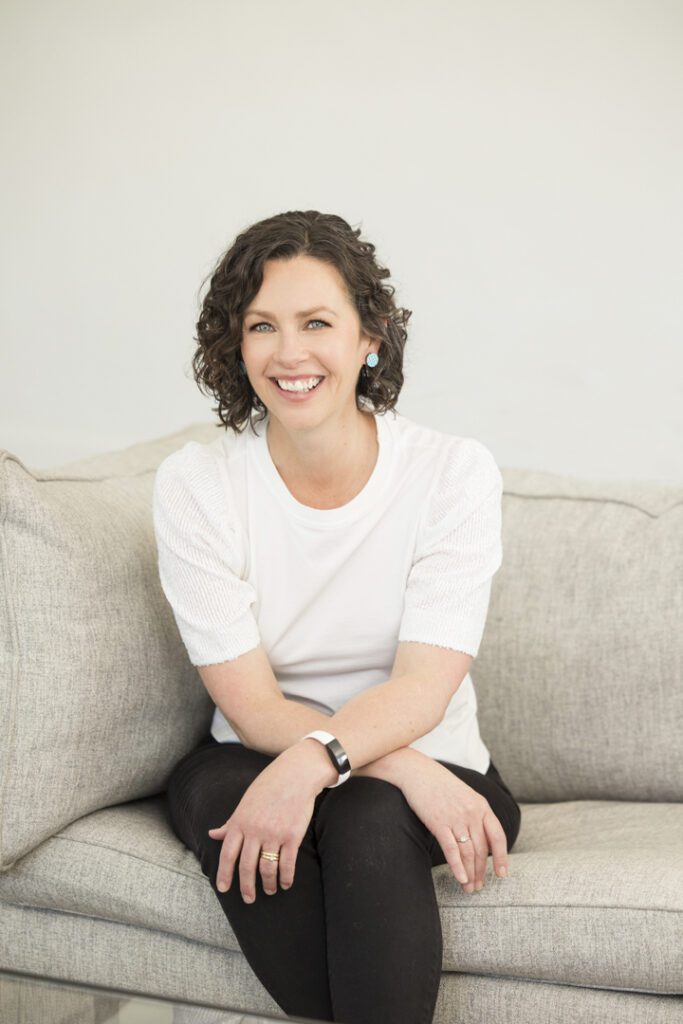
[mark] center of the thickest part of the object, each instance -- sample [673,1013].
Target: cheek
[255,359]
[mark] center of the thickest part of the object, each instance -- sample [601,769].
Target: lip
[297,396]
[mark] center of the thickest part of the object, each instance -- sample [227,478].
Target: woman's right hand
[451,809]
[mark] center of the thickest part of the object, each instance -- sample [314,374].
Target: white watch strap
[320,734]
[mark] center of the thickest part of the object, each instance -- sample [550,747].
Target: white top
[330,592]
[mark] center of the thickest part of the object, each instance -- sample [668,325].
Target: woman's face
[302,324]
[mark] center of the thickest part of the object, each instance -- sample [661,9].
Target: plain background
[518,166]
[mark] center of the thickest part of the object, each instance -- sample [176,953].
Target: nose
[289,349]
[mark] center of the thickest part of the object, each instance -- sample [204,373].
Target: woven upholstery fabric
[579,674]
[594,898]
[98,699]
[162,965]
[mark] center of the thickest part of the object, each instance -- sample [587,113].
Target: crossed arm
[375,727]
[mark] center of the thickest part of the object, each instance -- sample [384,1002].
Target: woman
[329,570]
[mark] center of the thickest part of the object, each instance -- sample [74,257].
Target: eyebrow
[305,312]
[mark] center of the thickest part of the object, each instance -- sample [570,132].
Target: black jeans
[357,938]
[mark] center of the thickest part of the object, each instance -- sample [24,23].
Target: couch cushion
[595,894]
[578,677]
[98,697]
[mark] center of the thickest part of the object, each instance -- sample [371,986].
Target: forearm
[281,723]
[375,728]
[386,718]
[292,720]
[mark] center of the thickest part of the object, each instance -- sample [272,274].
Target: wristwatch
[336,752]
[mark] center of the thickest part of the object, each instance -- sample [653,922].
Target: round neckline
[354,508]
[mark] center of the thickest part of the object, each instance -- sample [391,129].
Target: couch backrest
[98,697]
[578,677]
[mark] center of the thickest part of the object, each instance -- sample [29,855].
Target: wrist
[392,767]
[316,766]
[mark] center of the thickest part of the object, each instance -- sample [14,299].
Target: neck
[328,460]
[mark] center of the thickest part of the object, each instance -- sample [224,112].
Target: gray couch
[580,689]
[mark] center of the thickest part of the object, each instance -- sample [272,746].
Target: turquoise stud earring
[372,359]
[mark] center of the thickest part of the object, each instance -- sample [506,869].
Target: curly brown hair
[237,278]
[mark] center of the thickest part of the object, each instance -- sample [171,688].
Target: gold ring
[271,856]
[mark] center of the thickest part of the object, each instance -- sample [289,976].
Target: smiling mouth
[297,391]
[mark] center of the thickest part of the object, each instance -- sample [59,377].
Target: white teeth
[299,385]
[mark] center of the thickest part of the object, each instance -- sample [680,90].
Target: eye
[264,323]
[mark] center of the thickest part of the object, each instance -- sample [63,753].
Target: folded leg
[282,936]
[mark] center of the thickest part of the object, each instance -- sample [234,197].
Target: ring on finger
[266,855]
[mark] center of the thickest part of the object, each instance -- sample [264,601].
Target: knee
[369,817]
[513,829]
[209,780]
[202,795]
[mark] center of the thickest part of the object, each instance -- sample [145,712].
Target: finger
[288,854]
[267,867]
[251,848]
[230,851]
[481,853]
[498,842]
[218,832]
[467,854]
[451,851]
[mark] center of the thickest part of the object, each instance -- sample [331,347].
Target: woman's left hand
[451,809]
[272,815]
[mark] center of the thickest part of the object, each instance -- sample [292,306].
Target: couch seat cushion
[594,898]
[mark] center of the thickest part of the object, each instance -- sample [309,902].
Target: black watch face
[338,756]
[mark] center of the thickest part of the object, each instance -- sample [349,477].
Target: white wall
[518,166]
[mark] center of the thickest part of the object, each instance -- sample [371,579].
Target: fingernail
[222,887]
[248,899]
[503,872]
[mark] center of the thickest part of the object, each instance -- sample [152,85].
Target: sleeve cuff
[427,628]
[242,636]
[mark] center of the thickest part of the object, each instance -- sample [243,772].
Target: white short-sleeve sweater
[330,592]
